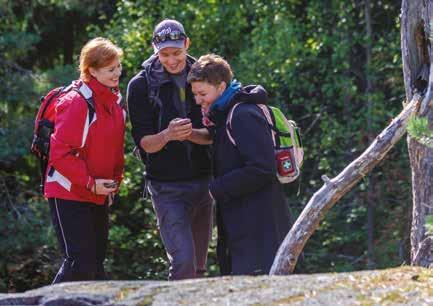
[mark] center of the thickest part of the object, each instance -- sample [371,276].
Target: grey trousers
[184,215]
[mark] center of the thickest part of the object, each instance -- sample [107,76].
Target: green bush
[311,58]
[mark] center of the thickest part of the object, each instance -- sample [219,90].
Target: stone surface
[398,286]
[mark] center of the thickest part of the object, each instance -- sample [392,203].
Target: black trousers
[82,233]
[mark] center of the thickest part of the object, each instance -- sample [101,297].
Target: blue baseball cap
[168,33]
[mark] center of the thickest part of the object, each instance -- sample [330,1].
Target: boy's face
[174,59]
[206,94]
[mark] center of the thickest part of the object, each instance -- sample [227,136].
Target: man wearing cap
[168,131]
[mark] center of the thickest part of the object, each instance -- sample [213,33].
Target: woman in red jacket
[86,161]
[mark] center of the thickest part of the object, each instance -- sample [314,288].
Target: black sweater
[177,161]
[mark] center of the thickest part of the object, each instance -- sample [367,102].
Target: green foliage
[309,55]
[418,129]
[29,39]
[429,224]
[27,252]
[135,251]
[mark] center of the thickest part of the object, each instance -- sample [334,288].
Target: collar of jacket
[103,95]
[251,94]
[156,74]
[219,109]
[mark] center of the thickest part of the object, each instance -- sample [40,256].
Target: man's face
[173,59]
[206,94]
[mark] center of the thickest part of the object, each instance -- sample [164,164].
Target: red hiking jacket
[81,152]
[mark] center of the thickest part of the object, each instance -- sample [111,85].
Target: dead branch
[334,189]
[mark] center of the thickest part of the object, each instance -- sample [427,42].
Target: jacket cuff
[218,192]
[90,183]
[119,180]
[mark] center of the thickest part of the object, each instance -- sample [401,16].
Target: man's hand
[178,129]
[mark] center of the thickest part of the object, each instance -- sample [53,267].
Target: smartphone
[113,184]
[183,121]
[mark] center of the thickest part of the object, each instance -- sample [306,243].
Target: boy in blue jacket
[252,214]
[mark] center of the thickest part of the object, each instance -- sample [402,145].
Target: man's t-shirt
[180,97]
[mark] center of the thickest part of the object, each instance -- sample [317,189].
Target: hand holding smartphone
[178,129]
[113,184]
[182,121]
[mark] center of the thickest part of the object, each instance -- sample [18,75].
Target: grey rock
[398,286]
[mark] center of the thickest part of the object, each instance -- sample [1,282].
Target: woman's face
[108,75]
[205,93]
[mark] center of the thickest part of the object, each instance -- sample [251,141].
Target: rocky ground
[399,286]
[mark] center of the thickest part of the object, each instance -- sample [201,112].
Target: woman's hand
[104,186]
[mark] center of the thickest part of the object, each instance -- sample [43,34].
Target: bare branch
[18,68]
[334,189]
[9,200]
[317,117]
[424,256]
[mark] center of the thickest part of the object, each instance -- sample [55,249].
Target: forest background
[334,66]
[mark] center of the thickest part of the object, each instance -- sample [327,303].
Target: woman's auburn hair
[97,53]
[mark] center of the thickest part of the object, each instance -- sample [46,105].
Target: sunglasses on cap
[173,35]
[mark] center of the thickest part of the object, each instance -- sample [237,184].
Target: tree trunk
[368,89]
[334,189]
[416,54]
[69,38]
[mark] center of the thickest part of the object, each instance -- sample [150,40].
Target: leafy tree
[309,55]
[33,59]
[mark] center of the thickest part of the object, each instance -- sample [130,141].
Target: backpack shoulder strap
[270,119]
[152,91]
[268,116]
[87,94]
[153,95]
[229,124]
